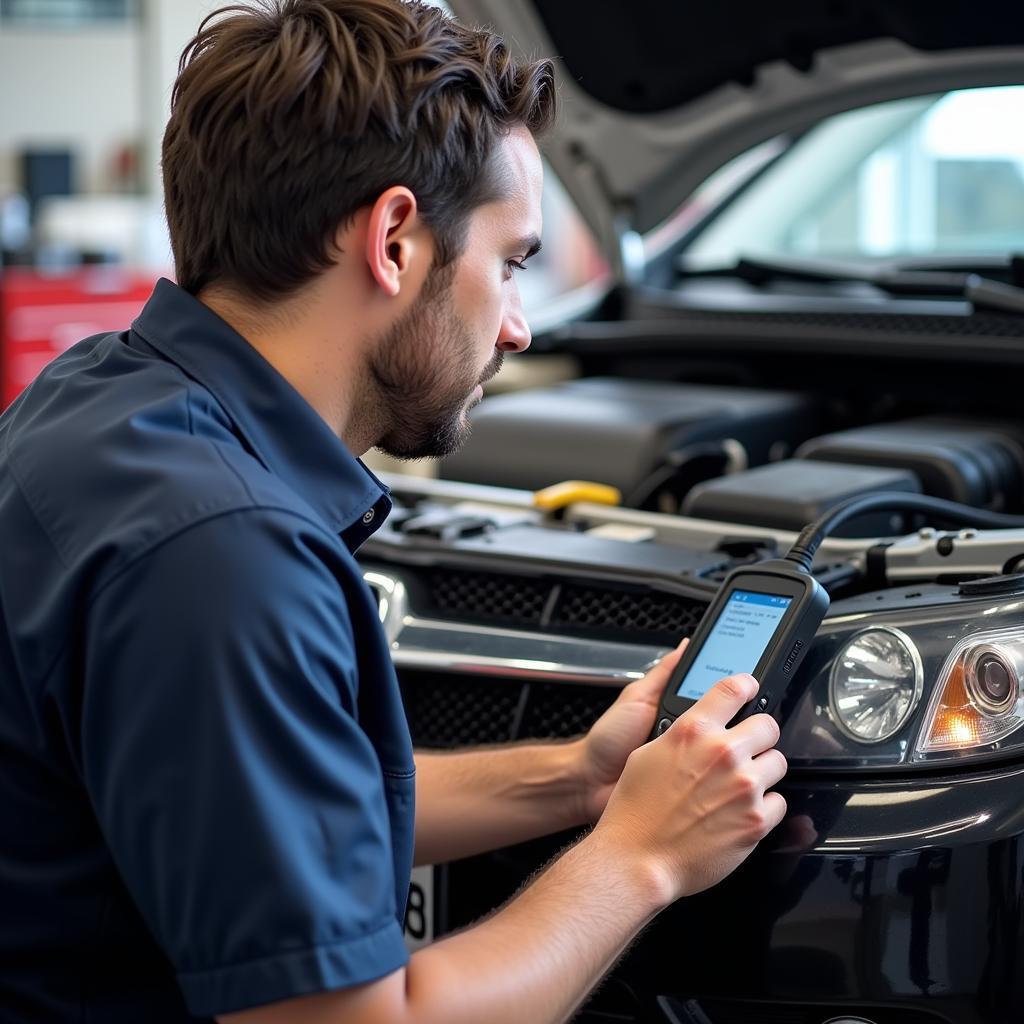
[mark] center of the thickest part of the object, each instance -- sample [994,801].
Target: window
[931,175]
[68,12]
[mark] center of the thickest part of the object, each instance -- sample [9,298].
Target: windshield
[939,175]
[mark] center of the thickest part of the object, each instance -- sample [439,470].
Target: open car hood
[657,95]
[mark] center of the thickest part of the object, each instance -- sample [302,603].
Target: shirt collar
[283,430]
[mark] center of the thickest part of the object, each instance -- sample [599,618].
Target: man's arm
[687,810]
[476,800]
[533,961]
[471,801]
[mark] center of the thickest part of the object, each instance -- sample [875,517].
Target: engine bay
[759,457]
[478,581]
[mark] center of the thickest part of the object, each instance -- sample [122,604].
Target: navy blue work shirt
[206,777]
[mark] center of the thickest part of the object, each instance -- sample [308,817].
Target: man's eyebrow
[529,245]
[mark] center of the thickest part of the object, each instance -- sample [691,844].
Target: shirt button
[368,518]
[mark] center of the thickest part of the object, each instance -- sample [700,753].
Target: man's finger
[770,768]
[774,810]
[723,701]
[756,734]
[657,678]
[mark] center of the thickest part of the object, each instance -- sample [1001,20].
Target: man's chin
[442,441]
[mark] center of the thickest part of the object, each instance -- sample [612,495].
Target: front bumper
[909,896]
[887,901]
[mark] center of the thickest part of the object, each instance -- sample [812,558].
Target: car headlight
[875,684]
[979,695]
[938,680]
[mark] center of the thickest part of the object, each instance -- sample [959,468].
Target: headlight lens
[979,696]
[875,684]
[992,673]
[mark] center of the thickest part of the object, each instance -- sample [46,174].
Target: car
[809,217]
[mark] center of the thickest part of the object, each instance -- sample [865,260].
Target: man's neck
[298,338]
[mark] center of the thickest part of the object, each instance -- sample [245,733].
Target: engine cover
[619,432]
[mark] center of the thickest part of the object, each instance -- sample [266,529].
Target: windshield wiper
[941,278]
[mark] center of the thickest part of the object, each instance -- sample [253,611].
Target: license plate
[419,911]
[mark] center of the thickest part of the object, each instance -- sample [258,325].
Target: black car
[810,215]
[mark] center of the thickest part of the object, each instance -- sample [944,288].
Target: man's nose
[514,335]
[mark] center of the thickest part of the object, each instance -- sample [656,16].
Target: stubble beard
[424,371]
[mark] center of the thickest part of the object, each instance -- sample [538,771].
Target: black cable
[950,512]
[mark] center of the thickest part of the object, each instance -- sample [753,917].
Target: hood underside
[655,95]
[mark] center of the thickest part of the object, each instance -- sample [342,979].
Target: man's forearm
[471,801]
[536,959]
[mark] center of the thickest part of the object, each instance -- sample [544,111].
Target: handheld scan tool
[762,622]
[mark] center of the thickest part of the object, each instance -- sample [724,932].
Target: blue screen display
[736,642]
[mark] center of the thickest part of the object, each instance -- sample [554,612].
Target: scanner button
[762,702]
[663,725]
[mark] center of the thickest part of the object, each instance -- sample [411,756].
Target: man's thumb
[657,678]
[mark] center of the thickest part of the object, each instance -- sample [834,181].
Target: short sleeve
[243,805]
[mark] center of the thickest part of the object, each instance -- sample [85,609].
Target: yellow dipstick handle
[569,492]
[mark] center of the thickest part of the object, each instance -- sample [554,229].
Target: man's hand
[618,732]
[691,804]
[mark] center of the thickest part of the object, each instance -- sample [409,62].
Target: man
[206,780]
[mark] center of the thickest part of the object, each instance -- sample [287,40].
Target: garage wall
[93,87]
[78,87]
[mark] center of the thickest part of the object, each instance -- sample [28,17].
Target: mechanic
[207,785]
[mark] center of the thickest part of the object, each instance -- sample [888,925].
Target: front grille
[516,600]
[459,711]
[555,710]
[447,711]
[455,711]
[661,616]
[628,613]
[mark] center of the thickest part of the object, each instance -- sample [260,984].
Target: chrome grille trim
[438,645]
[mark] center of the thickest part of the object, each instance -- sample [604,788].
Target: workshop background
[84,97]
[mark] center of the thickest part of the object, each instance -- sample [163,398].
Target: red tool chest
[42,315]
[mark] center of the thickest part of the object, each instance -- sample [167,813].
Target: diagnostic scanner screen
[736,642]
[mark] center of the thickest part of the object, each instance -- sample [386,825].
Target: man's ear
[395,240]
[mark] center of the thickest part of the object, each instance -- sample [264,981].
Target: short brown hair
[288,117]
